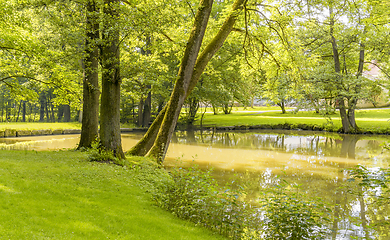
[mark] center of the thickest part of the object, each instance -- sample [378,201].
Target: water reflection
[313,160]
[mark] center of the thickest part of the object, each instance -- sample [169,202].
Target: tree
[143,146]
[180,90]
[343,38]
[110,134]
[91,91]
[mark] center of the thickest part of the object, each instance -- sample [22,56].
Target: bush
[196,196]
[287,215]
[97,154]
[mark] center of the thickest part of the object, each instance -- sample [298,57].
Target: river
[316,161]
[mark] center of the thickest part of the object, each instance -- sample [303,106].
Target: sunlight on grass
[66,197]
[376,120]
[6,189]
[39,126]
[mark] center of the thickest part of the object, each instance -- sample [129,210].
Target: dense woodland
[106,62]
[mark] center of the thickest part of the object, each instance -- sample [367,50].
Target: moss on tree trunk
[110,137]
[91,92]
[143,146]
[180,90]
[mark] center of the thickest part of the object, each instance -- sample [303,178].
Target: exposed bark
[42,101]
[145,144]
[91,92]
[19,109]
[110,136]
[140,111]
[67,113]
[60,113]
[180,90]
[147,111]
[281,105]
[193,106]
[24,111]
[142,147]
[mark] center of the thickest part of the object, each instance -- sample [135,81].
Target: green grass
[39,126]
[59,195]
[368,120]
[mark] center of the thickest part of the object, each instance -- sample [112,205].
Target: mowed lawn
[39,125]
[367,119]
[60,195]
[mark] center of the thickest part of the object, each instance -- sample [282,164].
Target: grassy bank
[374,121]
[60,195]
[39,125]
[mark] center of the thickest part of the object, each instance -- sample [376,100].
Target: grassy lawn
[39,126]
[369,120]
[60,195]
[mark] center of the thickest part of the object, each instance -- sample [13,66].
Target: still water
[313,160]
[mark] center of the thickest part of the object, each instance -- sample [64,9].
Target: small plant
[97,154]
[288,215]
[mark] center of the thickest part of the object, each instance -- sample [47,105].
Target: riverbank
[370,121]
[26,129]
[60,195]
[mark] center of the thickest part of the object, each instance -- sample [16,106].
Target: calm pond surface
[314,160]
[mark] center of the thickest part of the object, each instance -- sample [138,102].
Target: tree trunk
[60,113]
[143,146]
[345,120]
[180,90]
[140,111]
[281,105]
[67,113]
[110,135]
[147,110]
[344,116]
[91,92]
[42,100]
[20,108]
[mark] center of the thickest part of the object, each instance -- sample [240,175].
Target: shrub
[196,196]
[97,154]
[287,215]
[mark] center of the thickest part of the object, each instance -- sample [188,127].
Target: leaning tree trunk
[180,90]
[110,135]
[143,146]
[91,92]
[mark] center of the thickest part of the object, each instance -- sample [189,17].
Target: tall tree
[180,90]
[144,145]
[91,91]
[110,135]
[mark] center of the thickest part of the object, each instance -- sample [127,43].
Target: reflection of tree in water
[352,214]
[337,145]
[348,146]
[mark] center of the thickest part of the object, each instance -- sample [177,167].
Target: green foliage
[196,196]
[98,154]
[288,215]
[374,182]
[285,214]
